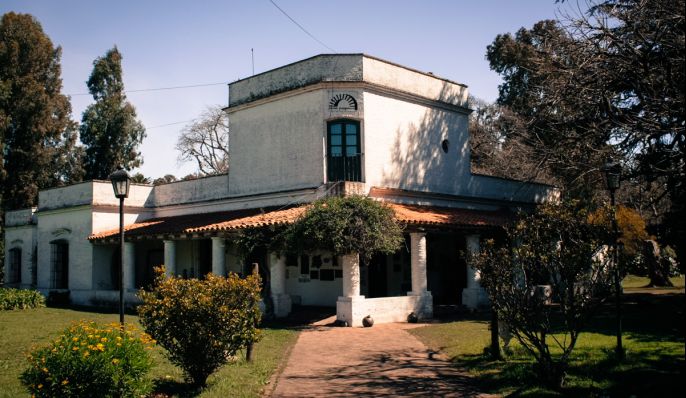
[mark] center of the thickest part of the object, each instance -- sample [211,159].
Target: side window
[59,265]
[14,266]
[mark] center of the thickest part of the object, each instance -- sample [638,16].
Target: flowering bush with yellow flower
[89,360]
[201,323]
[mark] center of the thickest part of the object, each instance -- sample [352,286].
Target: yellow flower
[42,360]
[86,354]
[118,344]
[115,361]
[65,382]
[100,347]
[40,386]
[118,338]
[104,339]
[45,370]
[75,349]
[75,339]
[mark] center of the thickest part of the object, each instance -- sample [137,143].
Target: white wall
[278,145]
[74,226]
[403,146]
[21,237]
[313,291]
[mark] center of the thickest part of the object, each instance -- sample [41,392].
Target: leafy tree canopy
[37,135]
[109,128]
[344,225]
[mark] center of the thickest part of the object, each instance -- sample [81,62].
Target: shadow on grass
[655,367]
[172,388]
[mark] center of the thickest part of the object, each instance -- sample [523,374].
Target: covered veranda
[431,268]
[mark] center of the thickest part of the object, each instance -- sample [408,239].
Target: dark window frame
[344,167]
[59,264]
[14,266]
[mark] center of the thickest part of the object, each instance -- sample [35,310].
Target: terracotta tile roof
[207,222]
[237,219]
[448,216]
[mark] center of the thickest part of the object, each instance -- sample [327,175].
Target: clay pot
[368,321]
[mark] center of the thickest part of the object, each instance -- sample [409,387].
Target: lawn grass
[653,337]
[22,329]
[641,282]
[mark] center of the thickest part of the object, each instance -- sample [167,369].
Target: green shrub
[12,299]
[88,360]
[201,323]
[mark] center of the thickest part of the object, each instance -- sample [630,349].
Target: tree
[206,142]
[164,180]
[109,128]
[346,225]
[37,134]
[139,178]
[496,145]
[559,246]
[607,81]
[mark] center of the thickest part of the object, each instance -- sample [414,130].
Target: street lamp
[120,183]
[613,171]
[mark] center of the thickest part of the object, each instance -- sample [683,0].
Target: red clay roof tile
[238,219]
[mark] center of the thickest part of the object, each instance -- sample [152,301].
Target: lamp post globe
[120,184]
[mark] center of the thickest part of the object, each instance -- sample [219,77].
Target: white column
[351,274]
[473,275]
[351,307]
[424,304]
[473,296]
[170,256]
[218,256]
[418,263]
[129,265]
[277,271]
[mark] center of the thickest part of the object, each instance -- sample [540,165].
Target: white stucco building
[327,125]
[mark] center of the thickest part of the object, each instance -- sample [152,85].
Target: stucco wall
[208,188]
[21,237]
[72,225]
[403,146]
[278,145]
[386,74]
[341,67]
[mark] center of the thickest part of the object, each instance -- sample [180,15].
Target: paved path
[381,361]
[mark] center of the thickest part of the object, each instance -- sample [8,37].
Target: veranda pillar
[282,300]
[218,256]
[424,306]
[350,305]
[473,296]
[129,266]
[170,257]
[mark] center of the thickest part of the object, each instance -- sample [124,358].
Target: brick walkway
[381,361]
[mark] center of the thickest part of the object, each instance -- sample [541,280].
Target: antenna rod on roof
[252,55]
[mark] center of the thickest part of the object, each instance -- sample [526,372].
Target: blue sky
[177,43]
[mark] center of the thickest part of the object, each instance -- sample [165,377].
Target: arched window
[14,266]
[59,264]
[344,154]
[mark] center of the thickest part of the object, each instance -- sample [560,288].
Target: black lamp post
[613,171]
[120,183]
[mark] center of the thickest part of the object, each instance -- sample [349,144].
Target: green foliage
[559,246]
[88,360]
[37,135]
[201,323]
[344,225]
[109,128]
[12,299]
[271,237]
